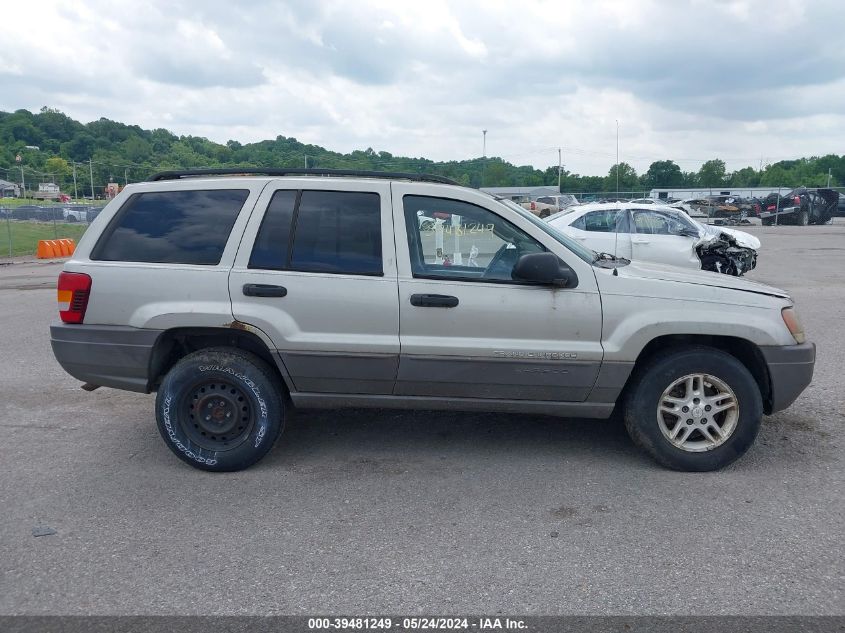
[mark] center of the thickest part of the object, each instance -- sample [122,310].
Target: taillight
[73,290]
[771,207]
[796,201]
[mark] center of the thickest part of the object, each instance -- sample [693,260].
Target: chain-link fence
[734,204]
[25,222]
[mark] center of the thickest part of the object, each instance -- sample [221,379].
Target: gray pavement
[396,512]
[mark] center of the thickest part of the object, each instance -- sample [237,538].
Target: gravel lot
[391,512]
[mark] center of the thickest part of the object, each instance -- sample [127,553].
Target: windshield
[581,251]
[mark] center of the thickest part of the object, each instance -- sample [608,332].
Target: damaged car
[800,206]
[660,234]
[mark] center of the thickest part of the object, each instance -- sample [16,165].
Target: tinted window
[450,239]
[338,232]
[175,227]
[272,244]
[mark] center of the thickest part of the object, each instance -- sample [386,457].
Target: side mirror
[544,268]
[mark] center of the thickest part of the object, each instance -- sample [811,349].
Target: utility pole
[91,173]
[483,154]
[559,168]
[617,158]
[828,176]
[125,176]
[306,161]
[75,192]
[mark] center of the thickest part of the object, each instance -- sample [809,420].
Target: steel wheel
[698,412]
[216,415]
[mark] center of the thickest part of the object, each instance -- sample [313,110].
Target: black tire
[649,383]
[242,399]
[803,218]
[767,221]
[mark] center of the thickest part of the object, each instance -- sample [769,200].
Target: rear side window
[604,221]
[272,244]
[333,232]
[174,227]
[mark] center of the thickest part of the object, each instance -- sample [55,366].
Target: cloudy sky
[744,80]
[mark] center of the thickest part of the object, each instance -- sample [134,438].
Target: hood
[660,272]
[741,237]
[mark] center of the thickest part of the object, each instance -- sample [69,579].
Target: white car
[659,234]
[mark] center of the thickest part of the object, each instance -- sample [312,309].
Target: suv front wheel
[696,409]
[220,409]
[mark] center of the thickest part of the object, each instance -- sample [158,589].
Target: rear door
[317,273]
[468,330]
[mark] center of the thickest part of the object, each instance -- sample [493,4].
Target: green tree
[663,173]
[628,180]
[712,173]
[745,177]
[57,169]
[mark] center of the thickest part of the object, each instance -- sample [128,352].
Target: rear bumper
[790,371]
[105,355]
[783,211]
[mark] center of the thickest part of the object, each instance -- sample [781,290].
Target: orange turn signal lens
[793,324]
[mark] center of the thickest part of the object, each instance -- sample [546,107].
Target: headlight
[793,324]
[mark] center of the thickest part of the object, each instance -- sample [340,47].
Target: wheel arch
[176,343]
[743,350]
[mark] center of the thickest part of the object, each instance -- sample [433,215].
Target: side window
[651,222]
[450,239]
[604,221]
[174,227]
[273,242]
[338,232]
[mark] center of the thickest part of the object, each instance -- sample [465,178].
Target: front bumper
[105,355]
[790,371]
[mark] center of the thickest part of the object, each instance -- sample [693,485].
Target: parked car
[544,206]
[238,297]
[77,214]
[26,212]
[800,206]
[840,205]
[693,207]
[660,234]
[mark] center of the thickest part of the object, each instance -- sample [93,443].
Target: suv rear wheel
[696,409]
[220,409]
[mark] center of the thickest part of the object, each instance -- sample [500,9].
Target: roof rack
[262,171]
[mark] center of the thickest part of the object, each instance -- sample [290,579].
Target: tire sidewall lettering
[174,438]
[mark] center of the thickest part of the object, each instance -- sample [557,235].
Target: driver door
[660,238]
[467,329]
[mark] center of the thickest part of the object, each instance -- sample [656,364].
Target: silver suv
[236,296]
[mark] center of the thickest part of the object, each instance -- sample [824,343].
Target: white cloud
[690,80]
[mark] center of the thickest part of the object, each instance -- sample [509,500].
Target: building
[703,192]
[47,191]
[521,194]
[9,189]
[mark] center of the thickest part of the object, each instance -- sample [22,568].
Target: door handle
[639,240]
[264,290]
[434,301]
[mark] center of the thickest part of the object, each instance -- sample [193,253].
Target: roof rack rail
[262,171]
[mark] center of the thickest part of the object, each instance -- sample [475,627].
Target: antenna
[616,232]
